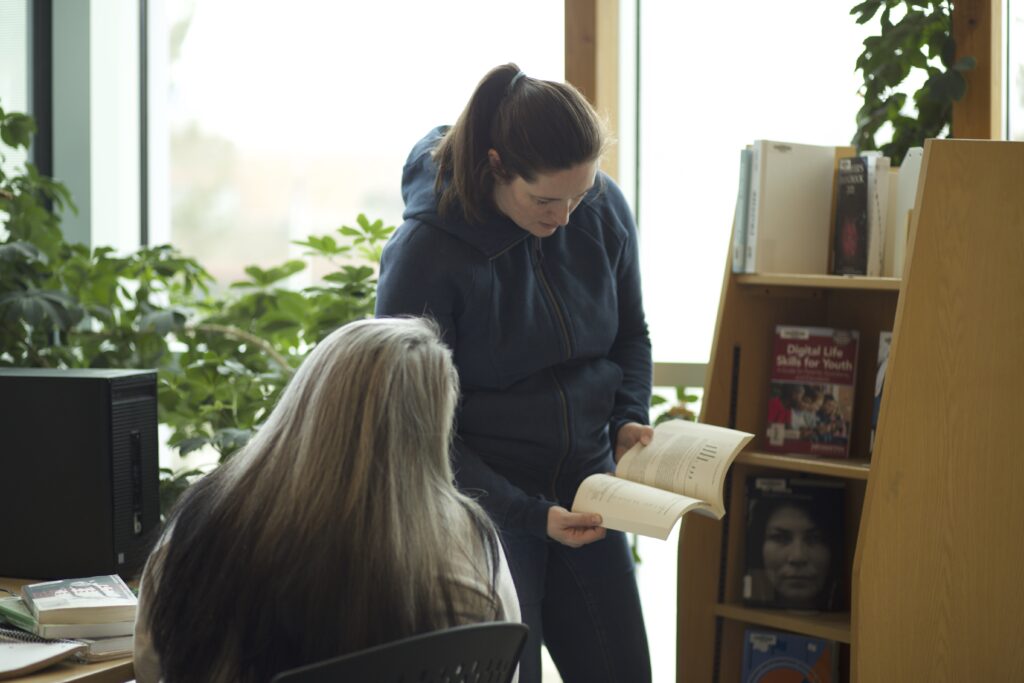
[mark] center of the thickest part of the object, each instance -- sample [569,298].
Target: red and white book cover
[810,402]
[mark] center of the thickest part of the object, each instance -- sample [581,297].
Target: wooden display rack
[936,516]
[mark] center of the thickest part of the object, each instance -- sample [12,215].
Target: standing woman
[527,257]
[335,529]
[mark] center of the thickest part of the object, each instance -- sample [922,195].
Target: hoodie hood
[418,178]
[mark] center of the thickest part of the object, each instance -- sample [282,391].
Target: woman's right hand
[574,529]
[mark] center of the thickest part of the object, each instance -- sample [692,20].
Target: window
[1014,38]
[290,122]
[713,78]
[14,67]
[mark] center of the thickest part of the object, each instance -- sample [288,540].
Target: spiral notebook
[22,652]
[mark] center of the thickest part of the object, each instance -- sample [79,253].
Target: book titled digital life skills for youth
[810,402]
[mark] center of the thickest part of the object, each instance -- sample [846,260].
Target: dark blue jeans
[584,605]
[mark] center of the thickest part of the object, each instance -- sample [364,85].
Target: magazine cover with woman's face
[795,552]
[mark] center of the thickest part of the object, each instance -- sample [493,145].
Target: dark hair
[812,392]
[536,126]
[789,393]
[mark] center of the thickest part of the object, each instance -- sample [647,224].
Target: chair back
[487,652]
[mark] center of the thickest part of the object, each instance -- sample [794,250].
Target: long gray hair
[331,531]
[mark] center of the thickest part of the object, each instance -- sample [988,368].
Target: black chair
[475,653]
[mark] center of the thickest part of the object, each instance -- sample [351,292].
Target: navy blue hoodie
[548,335]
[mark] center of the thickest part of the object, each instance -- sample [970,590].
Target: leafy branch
[915,41]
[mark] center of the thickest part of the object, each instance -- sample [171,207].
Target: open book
[682,469]
[22,653]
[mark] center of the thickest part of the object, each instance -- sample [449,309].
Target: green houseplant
[222,361]
[914,43]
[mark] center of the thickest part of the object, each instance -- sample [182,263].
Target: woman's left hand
[631,434]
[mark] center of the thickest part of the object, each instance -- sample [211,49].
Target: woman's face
[544,205]
[796,556]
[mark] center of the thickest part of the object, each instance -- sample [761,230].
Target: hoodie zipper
[563,401]
[538,265]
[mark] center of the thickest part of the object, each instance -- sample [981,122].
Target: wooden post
[592,62]
[977,31]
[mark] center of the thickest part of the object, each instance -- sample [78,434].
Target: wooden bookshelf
[854,468]
[856,282]
[831,625]
[935,514]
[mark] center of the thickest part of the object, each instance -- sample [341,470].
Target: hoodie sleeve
[631,350]
[411,284]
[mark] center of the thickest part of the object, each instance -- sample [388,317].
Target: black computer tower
[79,471]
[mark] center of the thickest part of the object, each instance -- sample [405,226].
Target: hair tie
[515,79]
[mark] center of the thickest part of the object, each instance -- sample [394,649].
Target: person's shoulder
[422,241]
[605,213]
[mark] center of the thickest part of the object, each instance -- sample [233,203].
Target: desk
[110,671]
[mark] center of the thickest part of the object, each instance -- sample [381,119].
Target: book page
[627,506]
[21,653]
[686,457]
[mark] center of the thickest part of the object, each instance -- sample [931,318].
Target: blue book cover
[780,657]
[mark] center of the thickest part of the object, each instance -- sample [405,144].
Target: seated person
[337,528]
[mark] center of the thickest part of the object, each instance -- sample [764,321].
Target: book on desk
[100,616]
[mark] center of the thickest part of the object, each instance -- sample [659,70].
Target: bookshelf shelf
[854,468]
[931,512]
[831,625]
[891,284]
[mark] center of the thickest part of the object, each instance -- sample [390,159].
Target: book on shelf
[13,609]
[90,600]
[850,228]
[22,653]
[877,210]
[862,207]
[682,470]
[771,656]
[790,207]
[794,543]
[739,224]
[884,342]
[903,191]
[810,395]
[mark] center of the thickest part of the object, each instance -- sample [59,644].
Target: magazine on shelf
[794,543]
[771,656]
[811,390]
